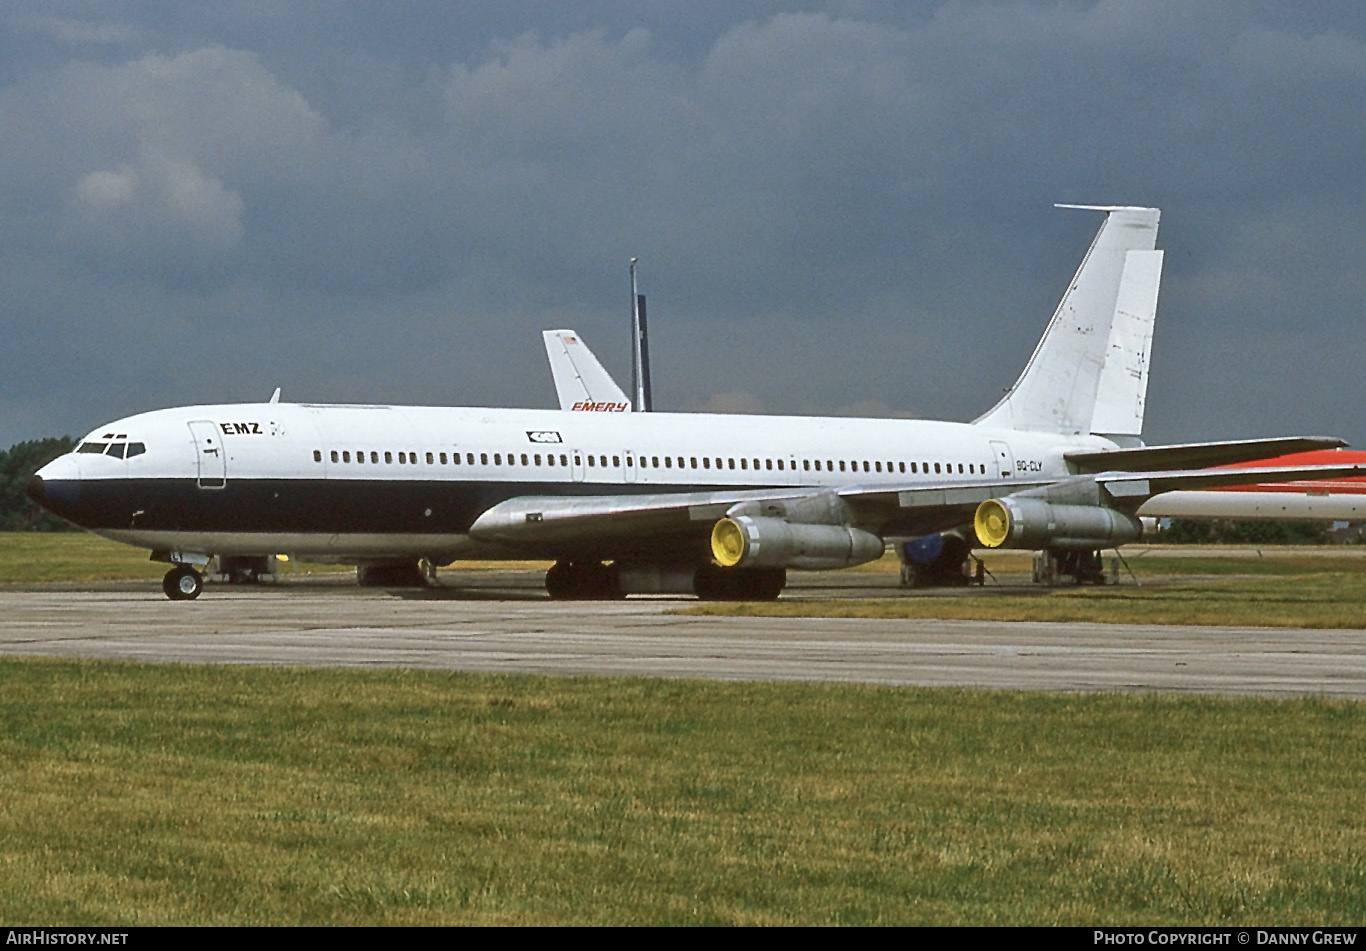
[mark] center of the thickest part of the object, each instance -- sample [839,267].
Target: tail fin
[1089,372]
[580,380]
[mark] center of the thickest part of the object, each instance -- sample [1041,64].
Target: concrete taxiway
[501,622]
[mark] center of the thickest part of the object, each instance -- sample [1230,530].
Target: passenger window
[538,458]
[616,460]
[469,458]
[334,455]
[744,463]
[936,468]
[668,462]
[706,462]
[603,460]
[374,457]
[564,459]
[430,459]
[841,465]
[317,455]
[388,458]
[693,460]
[590,462]
[360,457]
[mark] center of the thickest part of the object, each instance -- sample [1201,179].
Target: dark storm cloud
[836,204]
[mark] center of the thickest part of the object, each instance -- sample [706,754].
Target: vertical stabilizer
[580,380]
[1089,372]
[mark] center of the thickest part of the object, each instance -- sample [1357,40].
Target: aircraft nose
[56,486]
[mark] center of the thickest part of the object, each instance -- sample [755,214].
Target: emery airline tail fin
[581,383]
[1089,372]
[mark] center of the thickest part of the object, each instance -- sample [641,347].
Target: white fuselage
[377,481]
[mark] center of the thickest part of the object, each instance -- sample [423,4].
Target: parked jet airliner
[1315,499]
[721,506]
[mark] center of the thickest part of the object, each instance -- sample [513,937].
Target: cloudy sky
[837,206]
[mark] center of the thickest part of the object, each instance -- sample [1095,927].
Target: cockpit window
[95,447]
[117,449]
[136,449]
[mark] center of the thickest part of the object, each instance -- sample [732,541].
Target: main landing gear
[1083,567]
[739,584]
[182,583]
[595,581]
[583,581]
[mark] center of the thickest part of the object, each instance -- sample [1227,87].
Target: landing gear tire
[182,583]
[582,581]
[712,583]
[397,575]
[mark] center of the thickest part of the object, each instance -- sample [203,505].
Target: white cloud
[103,192]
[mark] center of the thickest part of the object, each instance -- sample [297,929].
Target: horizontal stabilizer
[1197,455]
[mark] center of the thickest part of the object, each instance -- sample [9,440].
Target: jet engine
[1030,523]
[747,541]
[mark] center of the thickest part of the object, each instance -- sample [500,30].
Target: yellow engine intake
[992,523]
[727,543]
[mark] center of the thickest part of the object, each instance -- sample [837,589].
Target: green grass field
[147,795]
[29,557]
[163,794]
[37,557]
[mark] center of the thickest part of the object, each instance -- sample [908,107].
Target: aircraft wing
[614,526]
[1198,454]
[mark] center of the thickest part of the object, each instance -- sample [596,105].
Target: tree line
[17,465]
